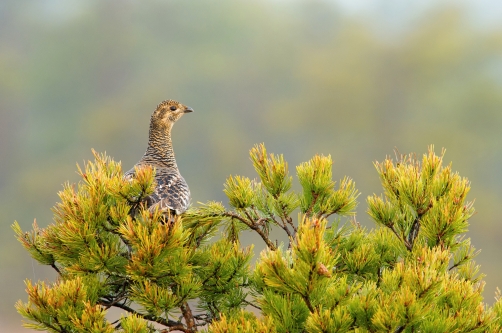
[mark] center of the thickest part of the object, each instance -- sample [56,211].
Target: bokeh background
[353,79]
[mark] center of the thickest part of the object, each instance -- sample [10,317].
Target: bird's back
[171,191]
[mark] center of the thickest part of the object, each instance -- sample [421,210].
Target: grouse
[171,193]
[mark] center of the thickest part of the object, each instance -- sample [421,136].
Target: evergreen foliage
[413,273]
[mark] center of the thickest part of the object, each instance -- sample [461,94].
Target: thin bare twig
[159,320]
[251,304]
[252,226]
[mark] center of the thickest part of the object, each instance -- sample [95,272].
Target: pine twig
[254,227]
[53,265]
[252,304]
[312,204]
[166,322]
[415,228]
[189,318]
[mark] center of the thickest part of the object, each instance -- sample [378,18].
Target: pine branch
[166,322]
[251,304]
[413,234]
[53,265]
[285,228]
[252,225]
[306,297]
[274,220]
[215,273]
[205,318]
[415,229]
[189,318]
[115,300]
[60,329]
[391,227]
[289,220]
[308,303]
[180,327]
[312,204]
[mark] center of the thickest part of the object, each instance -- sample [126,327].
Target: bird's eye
[173,108]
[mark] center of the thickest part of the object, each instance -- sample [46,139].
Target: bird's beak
[188,109]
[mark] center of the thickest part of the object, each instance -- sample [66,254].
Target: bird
[171,194]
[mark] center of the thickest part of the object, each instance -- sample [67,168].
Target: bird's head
[168,112]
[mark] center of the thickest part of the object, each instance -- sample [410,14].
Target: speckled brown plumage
[171,193]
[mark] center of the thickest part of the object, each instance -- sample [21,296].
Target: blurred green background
[353,79]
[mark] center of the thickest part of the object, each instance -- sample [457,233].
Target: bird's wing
[171,192]
[129,175]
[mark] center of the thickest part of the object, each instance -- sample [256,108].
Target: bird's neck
[160,147]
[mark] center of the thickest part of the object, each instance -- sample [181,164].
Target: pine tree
[413,273]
